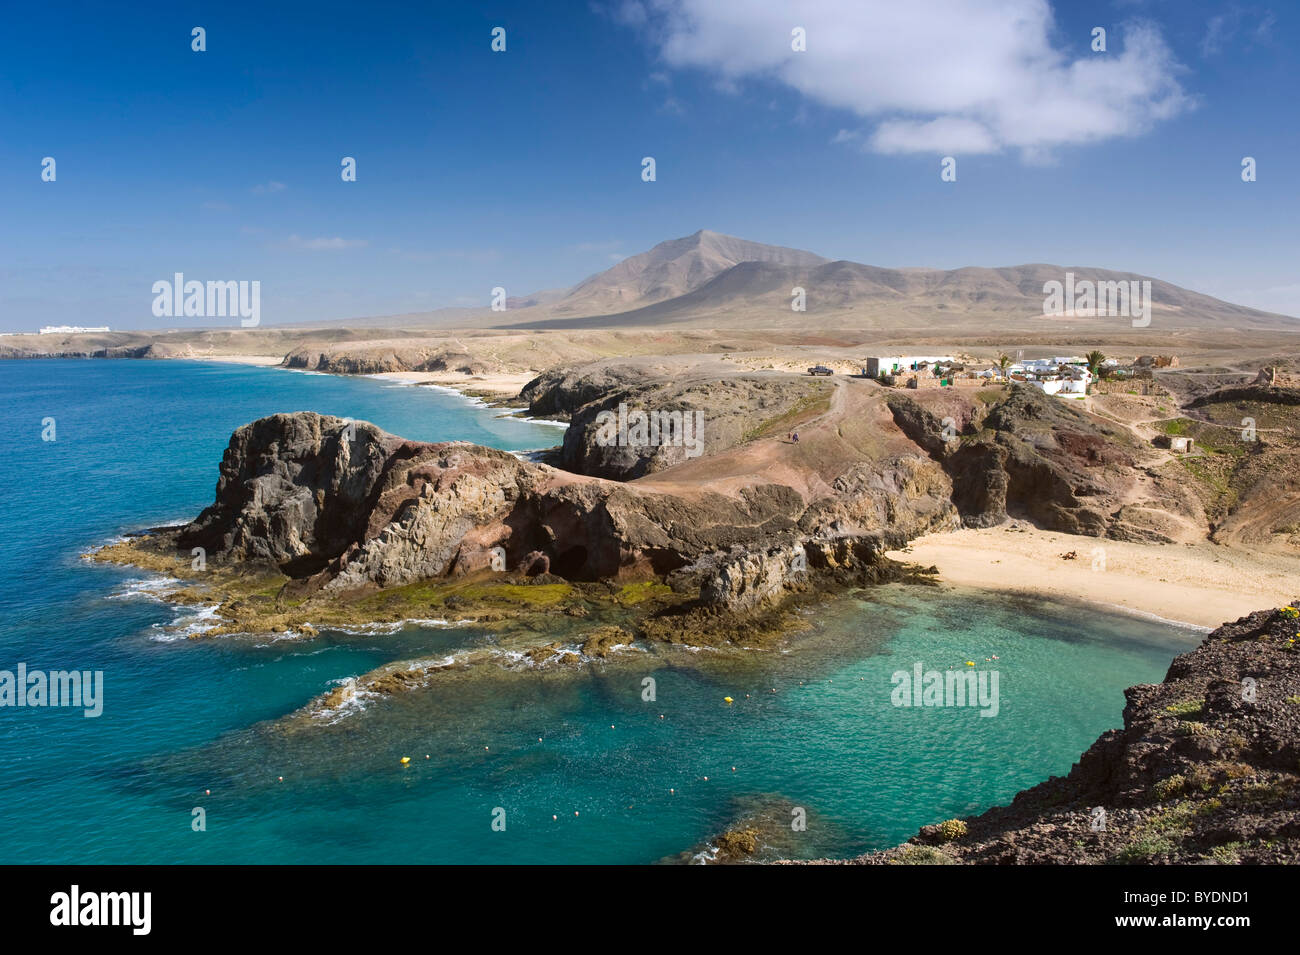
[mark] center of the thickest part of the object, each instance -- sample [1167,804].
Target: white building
[1073,384]
[72,329]
[901,364]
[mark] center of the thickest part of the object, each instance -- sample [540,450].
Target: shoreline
[499,386]
[496,394]
[486,391]
[269,360]
[1194,585]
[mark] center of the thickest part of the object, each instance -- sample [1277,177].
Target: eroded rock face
[633,430]
[295,489]
[560,392]
[1036,456]
[446,524]
[749,579]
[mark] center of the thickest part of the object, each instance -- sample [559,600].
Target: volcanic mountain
[712,280]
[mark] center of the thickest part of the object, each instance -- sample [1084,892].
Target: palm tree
[1004,362]
[1094,359]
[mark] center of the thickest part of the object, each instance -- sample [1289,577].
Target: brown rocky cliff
[350,506]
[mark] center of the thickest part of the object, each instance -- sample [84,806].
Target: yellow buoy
[970,663]
[727,699]
[405,760]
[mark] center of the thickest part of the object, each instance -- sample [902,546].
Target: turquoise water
[138,444]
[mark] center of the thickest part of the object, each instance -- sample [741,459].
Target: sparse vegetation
[951,829]
[1186,709]
[923,855]
[806,408]
[1145,848]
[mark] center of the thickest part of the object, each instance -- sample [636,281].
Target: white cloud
[324,244]
[952,76]
[268,187]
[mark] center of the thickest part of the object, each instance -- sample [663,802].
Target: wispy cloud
[265,188]
[446,255]
[324,244]
[632,13]
[959,76]
[1222,29]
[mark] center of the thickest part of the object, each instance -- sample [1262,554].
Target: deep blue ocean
[192,723]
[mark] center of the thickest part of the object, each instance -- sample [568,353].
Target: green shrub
[923,855]
[951,829]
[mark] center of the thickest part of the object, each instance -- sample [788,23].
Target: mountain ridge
[711,278]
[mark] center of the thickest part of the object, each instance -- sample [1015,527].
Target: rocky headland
[320,521]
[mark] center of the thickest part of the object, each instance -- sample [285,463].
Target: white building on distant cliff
[72,329]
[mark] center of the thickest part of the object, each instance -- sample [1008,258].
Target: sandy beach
[494,386]
[241,359]
[499,385]
[1202,584]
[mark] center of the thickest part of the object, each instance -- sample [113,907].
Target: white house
[1075,384]
[900,364]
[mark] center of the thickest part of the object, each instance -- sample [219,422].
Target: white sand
[1201,584]
[242,359]
[497,384]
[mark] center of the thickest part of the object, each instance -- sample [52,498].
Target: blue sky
[522,169]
